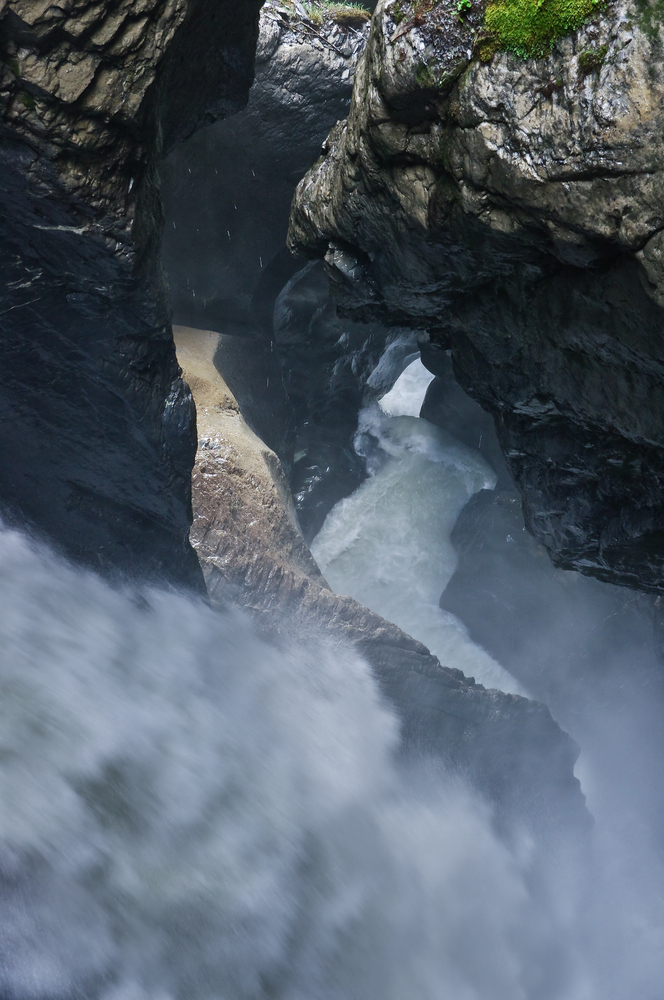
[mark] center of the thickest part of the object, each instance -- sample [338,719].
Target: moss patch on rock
[531,27]
[351,15]
[592,59]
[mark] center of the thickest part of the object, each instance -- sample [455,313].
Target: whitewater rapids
[388,545]
[188,813]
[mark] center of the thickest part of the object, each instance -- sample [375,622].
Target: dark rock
[327,365]
[253,555]
[446,405]
[298,371]
[593,652]
[521,225]
[227,191]
[97,432]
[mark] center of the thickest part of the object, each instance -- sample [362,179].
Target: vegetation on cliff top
[526,27]
[530,27]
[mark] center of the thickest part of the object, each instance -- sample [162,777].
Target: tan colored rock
[252,553]
[245,527]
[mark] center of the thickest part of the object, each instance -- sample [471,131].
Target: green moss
[11,62]
[530,27]
[425,76]
[650,17]
[351,14]
[525,27]
[592,59]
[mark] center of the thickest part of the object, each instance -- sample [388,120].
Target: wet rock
[296,369]
[591,651]
[253,554]
[227,191]
[513,208]
[97,432]
[329,371]
[446,405]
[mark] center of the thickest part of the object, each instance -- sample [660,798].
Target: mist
[188,811]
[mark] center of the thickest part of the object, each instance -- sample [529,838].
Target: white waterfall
[189,814]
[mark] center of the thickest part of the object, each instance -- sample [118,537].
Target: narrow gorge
[331,494]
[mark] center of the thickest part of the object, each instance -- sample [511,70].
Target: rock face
[227,191]
[252,553]
[97,435]
[514,208]
[245,528]
[299,373]
[330,367]
[591,651]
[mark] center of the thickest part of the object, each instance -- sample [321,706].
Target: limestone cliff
[515,208]
[96,436]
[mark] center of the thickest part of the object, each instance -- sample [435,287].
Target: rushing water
[388,545]
[189,814]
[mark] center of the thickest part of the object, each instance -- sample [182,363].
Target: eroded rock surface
[97,435]
[252,553]
[515,209]
[245,528]
[227,191]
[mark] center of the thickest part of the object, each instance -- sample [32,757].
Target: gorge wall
[97,431]
[513,207]
[296,370]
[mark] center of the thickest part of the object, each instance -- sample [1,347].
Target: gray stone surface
[514,209]
[227,191]
[97,437]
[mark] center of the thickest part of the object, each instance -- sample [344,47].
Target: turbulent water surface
[188,813]
[388,545]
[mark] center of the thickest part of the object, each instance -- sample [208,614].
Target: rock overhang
[516,212]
